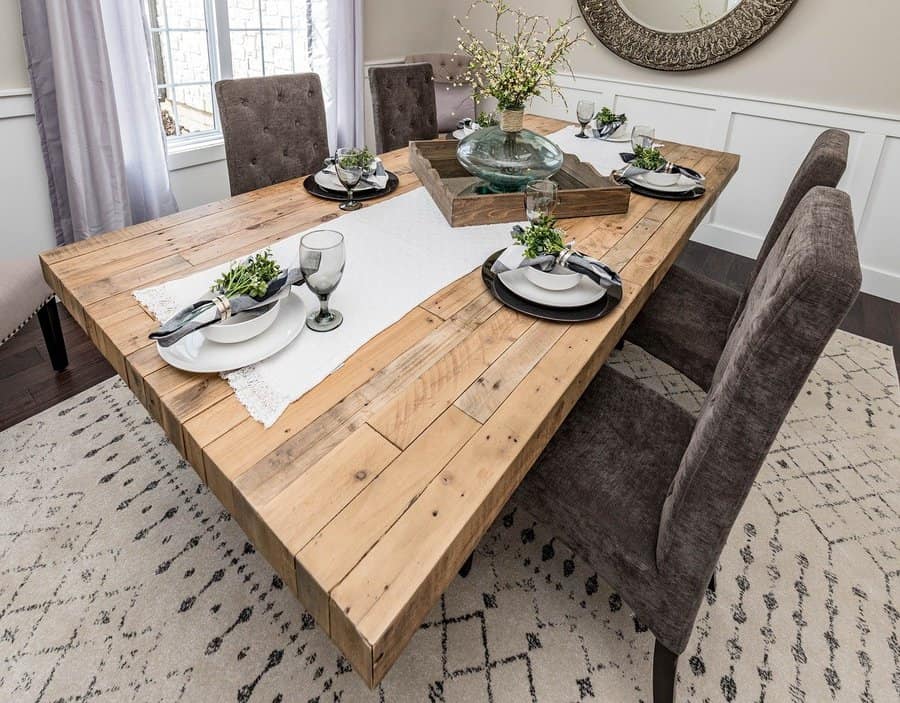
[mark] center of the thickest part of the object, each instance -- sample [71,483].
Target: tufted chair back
[804,289]
[403,104]
[454,102]
[824,165]
[274,128]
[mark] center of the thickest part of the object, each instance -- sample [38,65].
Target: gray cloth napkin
[605,130]
[204,311]
[596,270]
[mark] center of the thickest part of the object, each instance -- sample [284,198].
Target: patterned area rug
[122,578]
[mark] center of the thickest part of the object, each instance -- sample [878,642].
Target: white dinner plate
[197,354]
[585,293]
[329,181]
[683,185]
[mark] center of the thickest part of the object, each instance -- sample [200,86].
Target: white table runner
[399,253]
[602,155]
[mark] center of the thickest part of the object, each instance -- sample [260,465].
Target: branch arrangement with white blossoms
[520,64]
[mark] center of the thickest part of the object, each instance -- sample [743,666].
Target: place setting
[543,276]
[608,126]
[351,176]
[649,173]
[253,310]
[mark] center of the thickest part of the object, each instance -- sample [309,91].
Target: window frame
[218,42]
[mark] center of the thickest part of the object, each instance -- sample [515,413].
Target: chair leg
[48,316]
[466,567]
[665,663]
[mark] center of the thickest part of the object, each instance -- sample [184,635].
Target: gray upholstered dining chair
[274,128]
[403,104]
[646,494]
[453,98]
[688,318]
[23,294]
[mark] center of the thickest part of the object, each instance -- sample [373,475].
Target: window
[197,42]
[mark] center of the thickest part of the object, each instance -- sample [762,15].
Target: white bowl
[663,180]
[243,326]
[558,279]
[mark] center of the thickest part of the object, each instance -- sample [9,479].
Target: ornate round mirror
[679,35]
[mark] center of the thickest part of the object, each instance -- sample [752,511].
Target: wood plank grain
[655,258]
[409,413]
[268,477]
[339,411]
[310,502]
[451,299]
[339,546]
[491,388]
[394,585]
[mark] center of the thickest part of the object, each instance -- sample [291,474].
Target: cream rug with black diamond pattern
[121,577]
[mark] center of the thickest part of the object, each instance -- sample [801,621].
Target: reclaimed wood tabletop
[369,492]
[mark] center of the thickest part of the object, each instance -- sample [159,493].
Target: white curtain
[337,56]
[94,89]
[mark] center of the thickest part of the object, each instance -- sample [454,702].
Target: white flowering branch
[519,65]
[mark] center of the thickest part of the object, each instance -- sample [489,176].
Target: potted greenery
[608,122]
[659,171]
[517,59]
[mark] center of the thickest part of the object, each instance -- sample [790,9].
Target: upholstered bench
[24,293]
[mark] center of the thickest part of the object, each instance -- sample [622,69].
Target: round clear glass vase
[507,161]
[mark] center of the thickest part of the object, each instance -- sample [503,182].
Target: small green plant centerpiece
[249,277]
[608,121]
[540,237]
[648,158]
[358,158]
[607,116]
[517,58]
[487,119]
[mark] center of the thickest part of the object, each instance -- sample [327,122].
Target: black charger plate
[580,314]
[684,170]
[314,188]
[696,192]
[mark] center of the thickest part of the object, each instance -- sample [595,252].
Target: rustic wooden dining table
[369,492]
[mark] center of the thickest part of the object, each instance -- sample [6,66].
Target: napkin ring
[223,305]
[564,257]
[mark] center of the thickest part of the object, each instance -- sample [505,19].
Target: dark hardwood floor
[28,384]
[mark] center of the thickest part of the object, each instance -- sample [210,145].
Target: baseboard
[742,243]
[882,284]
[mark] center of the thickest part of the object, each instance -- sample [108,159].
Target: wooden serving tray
[464,200]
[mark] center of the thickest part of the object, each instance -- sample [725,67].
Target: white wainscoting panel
[772,138]
[880,230]
[688,124]
[752,198]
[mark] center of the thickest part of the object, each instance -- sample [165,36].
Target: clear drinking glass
[349,177]
[322,263]
[541,198]
[643,136]
[585,113]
